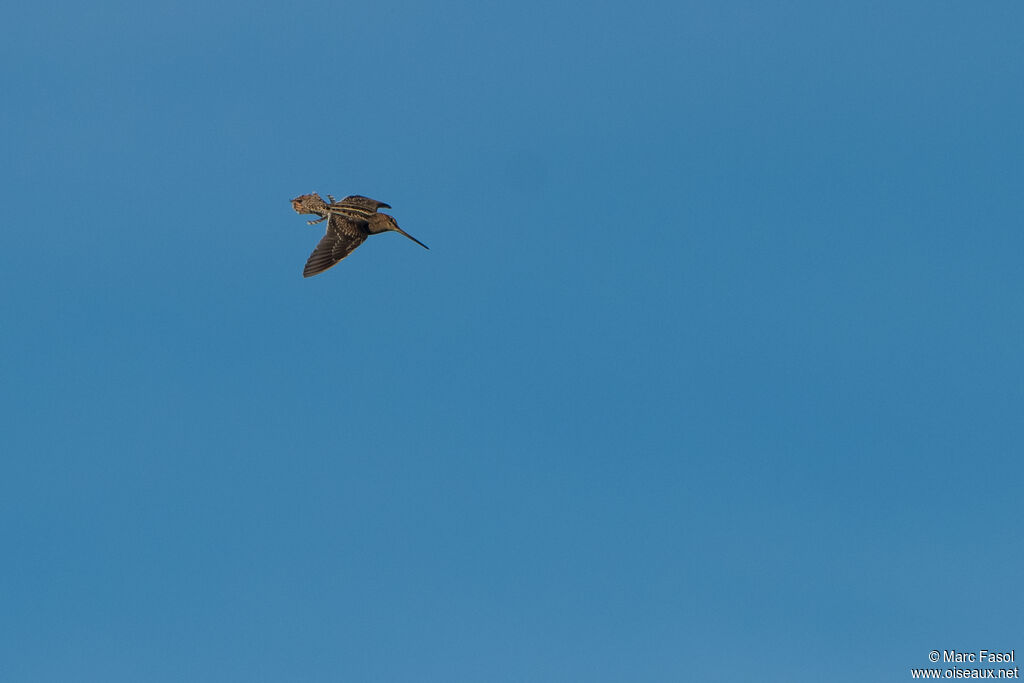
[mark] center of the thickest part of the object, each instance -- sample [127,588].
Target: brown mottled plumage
[349,223]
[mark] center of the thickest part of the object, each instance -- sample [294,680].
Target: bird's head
[391,224]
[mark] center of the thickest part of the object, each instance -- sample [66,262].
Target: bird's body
[349,222]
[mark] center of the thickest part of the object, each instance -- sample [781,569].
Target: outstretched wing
[344,234]
[363,202]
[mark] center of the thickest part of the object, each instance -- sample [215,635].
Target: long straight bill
[398,229]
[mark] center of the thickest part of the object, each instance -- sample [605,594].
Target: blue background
[713,371]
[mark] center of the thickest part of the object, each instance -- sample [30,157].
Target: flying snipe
[349,222]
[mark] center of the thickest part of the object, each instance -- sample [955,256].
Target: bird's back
[360,202]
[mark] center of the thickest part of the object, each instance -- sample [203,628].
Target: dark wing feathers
[344,234]
[364,202]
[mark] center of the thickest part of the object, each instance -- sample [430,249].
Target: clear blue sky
[713,371]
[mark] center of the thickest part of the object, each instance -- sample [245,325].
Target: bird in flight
[349,222]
